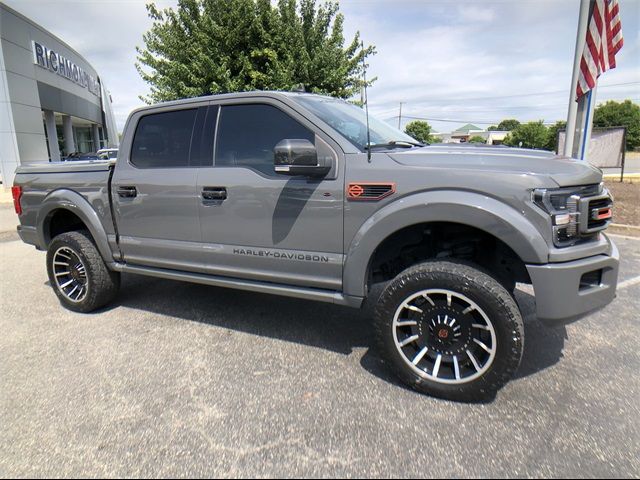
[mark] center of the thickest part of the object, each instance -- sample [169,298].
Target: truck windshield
[351,121]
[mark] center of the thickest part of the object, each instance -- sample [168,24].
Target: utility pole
[400,116]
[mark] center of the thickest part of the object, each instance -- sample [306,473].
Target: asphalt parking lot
[181,380]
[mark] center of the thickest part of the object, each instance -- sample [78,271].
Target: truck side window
[162,140]
[248,134]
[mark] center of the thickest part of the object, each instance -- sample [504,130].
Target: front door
[154,190]
[259,225]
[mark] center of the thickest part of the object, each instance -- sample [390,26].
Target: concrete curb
[628,177]
[626,237]
[624,230]
[621,225]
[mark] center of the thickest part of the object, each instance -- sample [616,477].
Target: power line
[548,106]
[451,120]
[483,122]
[550,92]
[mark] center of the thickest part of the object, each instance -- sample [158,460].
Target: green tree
[620,114]
[419,130]
[531,135]
[477,139]
[492,128]
[509,124]
[205,47]
[552,135]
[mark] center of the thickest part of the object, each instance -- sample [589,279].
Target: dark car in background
[77,156]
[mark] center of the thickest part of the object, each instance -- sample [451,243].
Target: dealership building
[52,101]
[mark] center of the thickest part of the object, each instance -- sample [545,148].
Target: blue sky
[465,61]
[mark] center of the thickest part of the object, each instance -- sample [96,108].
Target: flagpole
[585,138]
[572,116]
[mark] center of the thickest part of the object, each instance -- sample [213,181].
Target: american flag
[604,40]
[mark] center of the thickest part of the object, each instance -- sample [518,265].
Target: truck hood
[564,171]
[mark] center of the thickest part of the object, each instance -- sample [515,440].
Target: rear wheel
[450,330]
[77,273]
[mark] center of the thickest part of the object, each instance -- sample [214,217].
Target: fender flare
[462,207]
[66,199]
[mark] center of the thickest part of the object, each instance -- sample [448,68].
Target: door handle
[127,191]
[213,194]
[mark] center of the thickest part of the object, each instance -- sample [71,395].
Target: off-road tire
[102,283]
[478,286]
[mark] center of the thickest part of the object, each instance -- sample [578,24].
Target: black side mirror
[298,157]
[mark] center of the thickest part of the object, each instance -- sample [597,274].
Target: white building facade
[52,101]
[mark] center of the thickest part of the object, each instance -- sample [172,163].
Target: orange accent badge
[355,190]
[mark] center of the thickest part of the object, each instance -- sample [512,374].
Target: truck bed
[43,183]
[66,167]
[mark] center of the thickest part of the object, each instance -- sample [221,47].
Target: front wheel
[78,274]
[450,330]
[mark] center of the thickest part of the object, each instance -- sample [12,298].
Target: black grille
[598,204]
[375,191]
[590,190]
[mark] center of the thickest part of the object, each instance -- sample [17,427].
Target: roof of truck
[223,96]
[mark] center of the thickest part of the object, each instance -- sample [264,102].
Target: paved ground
[8,220]
[186,380]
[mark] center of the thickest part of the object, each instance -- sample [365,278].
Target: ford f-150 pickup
[285,193]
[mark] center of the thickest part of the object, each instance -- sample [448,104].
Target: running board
[328,296]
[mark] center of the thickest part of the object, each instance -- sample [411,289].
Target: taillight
[16,191]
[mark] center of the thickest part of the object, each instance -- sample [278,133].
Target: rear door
[260,225]
[154,188]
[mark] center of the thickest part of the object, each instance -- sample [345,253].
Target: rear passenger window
[162,140]
[248,134]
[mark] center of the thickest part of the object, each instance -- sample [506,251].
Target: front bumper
[567,291]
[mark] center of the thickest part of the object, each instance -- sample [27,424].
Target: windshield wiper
[394,144]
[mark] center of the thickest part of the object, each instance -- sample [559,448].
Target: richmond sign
[64,67]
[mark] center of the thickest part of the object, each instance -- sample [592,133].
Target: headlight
[562,205]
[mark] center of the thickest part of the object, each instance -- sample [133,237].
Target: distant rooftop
[467,128]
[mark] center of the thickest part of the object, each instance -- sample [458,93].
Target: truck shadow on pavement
[321,325]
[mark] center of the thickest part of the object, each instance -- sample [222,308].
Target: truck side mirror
[298,157]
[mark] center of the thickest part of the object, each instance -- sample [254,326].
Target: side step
[316,294]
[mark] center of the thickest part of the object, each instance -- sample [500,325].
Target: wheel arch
[483,213]
[65,200]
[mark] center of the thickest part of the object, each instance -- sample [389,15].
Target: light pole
[400,116]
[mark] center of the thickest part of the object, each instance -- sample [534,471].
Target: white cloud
[474,13]
[449,52]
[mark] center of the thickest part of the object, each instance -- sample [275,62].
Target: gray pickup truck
[285,193]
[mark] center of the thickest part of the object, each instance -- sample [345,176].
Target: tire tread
[473,278]
[104,283]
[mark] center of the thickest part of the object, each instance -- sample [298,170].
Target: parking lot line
[629,282]
[626,237]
